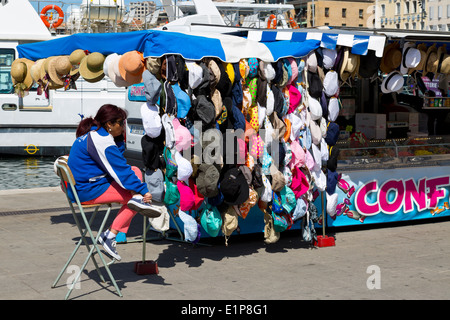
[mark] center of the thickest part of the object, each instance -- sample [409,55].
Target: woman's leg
[115,193]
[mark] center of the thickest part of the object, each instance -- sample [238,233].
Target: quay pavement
[407,261]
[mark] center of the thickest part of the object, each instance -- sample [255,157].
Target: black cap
[234,187]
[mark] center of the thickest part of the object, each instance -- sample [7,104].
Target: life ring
[46,19]
[272,22]
[293,24]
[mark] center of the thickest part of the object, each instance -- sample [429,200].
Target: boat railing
[123,19]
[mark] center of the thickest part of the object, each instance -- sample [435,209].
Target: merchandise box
[411,117]
[372,125]
[397,129]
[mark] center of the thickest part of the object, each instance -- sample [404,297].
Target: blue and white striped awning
[228,48]
[360,42]
[156,43]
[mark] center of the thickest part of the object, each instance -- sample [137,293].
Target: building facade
[142,9]
[438,15]
[356,13]
[433,15]
[402,14]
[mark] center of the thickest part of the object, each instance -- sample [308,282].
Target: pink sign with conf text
[424,193]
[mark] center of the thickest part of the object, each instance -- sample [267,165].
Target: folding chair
[67,181]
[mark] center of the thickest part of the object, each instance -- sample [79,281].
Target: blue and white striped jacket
[96,160]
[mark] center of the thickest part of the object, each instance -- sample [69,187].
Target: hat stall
[273,97]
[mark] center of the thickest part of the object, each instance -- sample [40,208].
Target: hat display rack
[271,103]
[287,110]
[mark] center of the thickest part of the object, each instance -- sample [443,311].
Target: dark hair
[106,113]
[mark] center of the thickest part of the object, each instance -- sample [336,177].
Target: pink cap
[300,184]
[310,163]
[298,155]
[183,137]
[295,97]
[187,200]
[294,69]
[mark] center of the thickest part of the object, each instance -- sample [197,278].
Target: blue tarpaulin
[156,43]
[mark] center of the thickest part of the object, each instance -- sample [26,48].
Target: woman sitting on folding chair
[102,174]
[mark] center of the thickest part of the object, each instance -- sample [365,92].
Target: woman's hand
[147,197]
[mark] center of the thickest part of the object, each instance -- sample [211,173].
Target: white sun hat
[410,57]
[393,82]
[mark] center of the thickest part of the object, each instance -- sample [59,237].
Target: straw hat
[410,57]
[35,70]
[441,56]
[91,67]
[392,57]
[37,74]
[430,60]
[46,76]
[350,65]
[131,67]
[423,55]
[75,59]
[445,65]
[58,68]
[21,73]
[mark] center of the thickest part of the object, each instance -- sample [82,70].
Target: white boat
[34,125]
[243,13]
[111,15]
